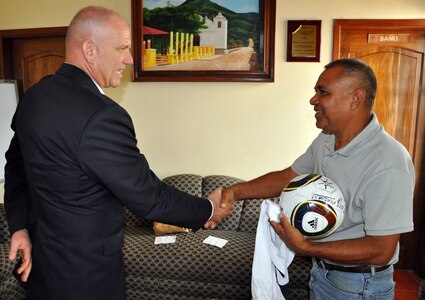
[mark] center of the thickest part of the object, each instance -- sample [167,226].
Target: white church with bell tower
[216,32]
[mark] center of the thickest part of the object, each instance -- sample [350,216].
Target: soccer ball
[314,204]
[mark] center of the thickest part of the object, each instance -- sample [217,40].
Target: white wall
[238,129]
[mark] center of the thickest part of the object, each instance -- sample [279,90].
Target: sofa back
[243,218]
[208,185]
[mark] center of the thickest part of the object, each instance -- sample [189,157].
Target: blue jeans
[330,285]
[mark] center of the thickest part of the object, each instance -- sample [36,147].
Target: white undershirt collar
[98,86]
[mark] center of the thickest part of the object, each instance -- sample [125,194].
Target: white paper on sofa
[166,239]
[215,241]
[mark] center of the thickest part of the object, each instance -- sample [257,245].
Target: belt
[358,269]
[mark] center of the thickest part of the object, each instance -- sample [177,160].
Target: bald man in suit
[73,166]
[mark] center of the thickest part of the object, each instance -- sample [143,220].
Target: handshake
[223,202]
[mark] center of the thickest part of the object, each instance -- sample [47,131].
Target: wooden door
[37,58]
[28,55]
[395,51]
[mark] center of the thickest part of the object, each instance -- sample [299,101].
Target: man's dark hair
[362,71]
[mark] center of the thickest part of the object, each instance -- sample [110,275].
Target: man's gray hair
[362,71]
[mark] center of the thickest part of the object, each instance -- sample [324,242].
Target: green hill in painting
[241,26]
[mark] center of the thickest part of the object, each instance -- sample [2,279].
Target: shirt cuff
[212,209]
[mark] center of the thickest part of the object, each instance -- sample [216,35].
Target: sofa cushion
[189,265]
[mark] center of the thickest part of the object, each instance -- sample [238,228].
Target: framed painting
[203,40]
[304,41]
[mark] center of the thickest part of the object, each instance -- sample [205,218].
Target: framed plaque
[304,41]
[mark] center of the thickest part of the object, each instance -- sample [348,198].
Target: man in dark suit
[73,165]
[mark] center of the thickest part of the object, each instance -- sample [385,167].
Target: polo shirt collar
[369,131]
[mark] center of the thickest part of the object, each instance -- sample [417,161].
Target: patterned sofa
[9,288]
[187,269]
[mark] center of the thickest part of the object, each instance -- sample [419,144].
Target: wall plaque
[303,41]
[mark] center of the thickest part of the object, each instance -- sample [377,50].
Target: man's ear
[89,50]
[358,98]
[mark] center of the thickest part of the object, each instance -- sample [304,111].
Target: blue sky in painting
[239,6]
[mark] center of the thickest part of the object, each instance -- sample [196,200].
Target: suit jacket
[72,167]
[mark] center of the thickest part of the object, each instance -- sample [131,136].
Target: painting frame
[312,51]
[265,74]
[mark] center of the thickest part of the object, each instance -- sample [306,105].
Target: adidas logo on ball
[314,204]
[313,223]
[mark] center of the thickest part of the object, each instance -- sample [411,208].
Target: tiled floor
[406,285]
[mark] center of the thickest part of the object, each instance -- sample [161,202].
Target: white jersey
[271,259]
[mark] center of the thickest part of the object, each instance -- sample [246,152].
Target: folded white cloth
[271,259]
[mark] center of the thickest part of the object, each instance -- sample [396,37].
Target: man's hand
[21,243]
[227,197]
[220,210]
[290,235]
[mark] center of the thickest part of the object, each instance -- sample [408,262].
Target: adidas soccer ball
[314,204]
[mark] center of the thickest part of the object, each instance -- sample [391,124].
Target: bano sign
[377,38]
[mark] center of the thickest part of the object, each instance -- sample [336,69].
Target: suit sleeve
[16,193]
[109,154]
